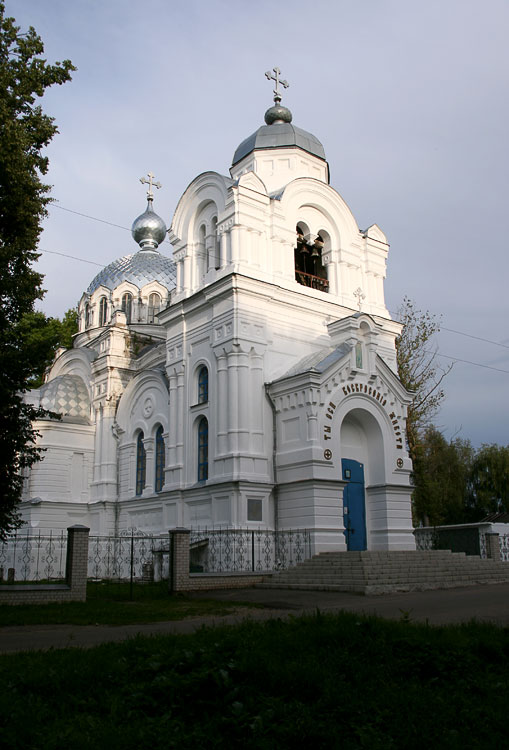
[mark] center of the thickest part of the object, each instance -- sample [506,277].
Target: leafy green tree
[489,482]
[24,132]
[42,337]
[441,478]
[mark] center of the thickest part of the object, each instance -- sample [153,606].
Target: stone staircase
[388,572]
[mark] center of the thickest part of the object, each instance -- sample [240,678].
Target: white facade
[297,377]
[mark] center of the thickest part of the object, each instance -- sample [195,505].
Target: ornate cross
[144,181]
[285,84]
[360,296]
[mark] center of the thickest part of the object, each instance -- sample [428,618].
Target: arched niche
[207,188]
[75,362]
[143,404]
[361,439]
[321,207]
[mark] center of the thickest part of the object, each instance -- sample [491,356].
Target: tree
[418,369]
[420,374]
[42,337]
[489,482]
[24,132]
[441,478]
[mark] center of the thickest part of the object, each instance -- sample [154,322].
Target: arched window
[88,316]
[127,305]
[215,247]
[141,464]
[154,305]
[203,450]
[202,253]
[309,268]
[203,385]
[103,311]
[160,460]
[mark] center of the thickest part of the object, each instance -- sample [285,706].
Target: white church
[249,381]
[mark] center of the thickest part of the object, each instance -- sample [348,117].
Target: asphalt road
[487,603]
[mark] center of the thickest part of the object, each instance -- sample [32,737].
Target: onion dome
[148,230]
[140,268]
[279,132]
[277,113]
[148,264]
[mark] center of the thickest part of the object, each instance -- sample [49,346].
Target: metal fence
[503,540]
[247,550]
[472,541]
[32,555]
[130,556]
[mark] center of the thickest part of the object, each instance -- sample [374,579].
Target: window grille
[127,305]
[203,450]
[160,460]
[203,385]
[103,311]
[141,464]
[154,305]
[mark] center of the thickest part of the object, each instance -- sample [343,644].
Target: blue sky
[409,100]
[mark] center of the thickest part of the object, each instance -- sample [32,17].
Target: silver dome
[148,230]
[139,269]
[279,135]
[67,395]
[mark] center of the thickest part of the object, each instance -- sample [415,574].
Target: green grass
[109,604]
[329,681]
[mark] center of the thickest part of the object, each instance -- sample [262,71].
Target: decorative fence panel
[32,555]
[503,540]
[472,541]
[247,550]
[131,556]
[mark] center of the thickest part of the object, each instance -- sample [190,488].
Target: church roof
[139,269]
[279,135]
[67,395]
[318,362]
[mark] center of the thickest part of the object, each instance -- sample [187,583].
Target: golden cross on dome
[151,184]
[284,84]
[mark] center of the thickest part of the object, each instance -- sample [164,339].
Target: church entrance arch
[362,466]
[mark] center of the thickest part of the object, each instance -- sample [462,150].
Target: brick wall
[182,580]
[75,587]
[493,546]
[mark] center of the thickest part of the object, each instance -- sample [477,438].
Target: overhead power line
[73,257]
[87,216]
[462,333]
[469,362]
[443,328]
[94,218]
[471,336]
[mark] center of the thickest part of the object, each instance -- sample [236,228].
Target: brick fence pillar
[77,561]
[493,547]
[179,574]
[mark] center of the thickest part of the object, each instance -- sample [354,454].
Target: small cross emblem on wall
[360,297]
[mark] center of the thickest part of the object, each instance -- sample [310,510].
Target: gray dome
[149,230]
[140,269]
[279,135]
[67,395]
[277,113]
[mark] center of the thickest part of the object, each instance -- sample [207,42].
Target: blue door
[354,506]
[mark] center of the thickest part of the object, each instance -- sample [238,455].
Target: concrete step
[384,571]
